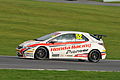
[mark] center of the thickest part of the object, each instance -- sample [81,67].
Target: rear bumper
[103,55]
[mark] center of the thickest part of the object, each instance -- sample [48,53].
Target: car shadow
[63,60]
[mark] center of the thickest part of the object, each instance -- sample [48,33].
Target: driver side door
[61,45]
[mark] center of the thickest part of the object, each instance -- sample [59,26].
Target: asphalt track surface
[13,62]
[83,2]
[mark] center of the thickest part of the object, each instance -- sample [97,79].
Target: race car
[64,45]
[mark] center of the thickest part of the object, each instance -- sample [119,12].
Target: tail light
[102,44]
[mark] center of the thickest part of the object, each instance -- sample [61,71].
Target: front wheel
[41,53]
[94,56]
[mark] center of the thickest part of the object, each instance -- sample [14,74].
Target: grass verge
[57,75]
[22,20]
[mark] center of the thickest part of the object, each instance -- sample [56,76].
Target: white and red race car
[64,45]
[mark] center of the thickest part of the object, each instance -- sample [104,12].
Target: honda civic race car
[64,45]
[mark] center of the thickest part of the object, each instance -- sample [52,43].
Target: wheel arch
[98,51]
[45,48]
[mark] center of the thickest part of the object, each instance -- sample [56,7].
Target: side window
[81,37]
[65,38]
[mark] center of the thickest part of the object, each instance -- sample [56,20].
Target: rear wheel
[94,56]
[41,53]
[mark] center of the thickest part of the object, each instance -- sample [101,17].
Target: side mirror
[52,42]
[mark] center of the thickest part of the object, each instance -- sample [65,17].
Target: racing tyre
[41,53]
[94,56]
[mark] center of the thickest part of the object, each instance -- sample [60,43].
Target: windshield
[48,36]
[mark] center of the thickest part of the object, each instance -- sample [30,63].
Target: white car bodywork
[64,49]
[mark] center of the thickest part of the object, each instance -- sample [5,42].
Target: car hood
[30,42]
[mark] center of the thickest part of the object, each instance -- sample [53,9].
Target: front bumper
[25,52]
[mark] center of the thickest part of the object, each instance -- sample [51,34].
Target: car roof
[64,32]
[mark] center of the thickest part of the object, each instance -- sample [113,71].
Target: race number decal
[78,36]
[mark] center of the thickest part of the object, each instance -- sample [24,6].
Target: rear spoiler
[99,36]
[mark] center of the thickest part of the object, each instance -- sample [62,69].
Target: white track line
[57,69]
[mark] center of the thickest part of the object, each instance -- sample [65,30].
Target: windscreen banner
[111,0]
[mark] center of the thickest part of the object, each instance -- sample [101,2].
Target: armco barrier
[110,0]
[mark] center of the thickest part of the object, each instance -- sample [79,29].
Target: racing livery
[64,45]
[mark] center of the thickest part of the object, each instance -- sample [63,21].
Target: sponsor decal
[60,48]
[75,51]
[22,50]
[29,51]
[79,36]
[63,55]
[103,50]
[28,54]
[71,47]
[81,55]
[103,53]
[69,55]
[55,55]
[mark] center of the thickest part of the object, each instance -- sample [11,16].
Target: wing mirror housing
[52,42]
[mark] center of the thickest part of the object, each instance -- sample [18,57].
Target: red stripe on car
[49,44]
[81,55]
[21,51]
[103,54]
